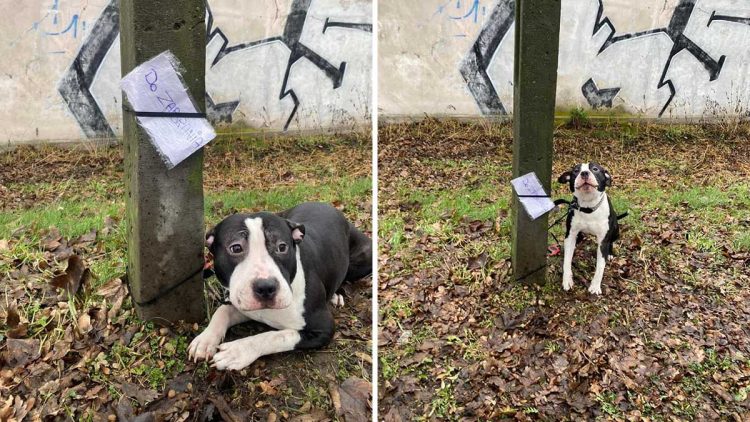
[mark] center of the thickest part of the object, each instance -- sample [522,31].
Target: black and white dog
[280,269]
[590,212]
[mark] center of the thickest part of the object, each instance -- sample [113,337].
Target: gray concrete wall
[61,66]
[679,59]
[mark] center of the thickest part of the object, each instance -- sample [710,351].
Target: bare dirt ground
[669,339]
[71,346]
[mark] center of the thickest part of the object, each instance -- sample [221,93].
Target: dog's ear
[210,235]
[298,231]
[607,177]
[565,177]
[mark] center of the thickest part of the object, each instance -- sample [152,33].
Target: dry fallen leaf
[333,390]
[267,388]
[84,323]
[225,411]
[73,277]
[316,415]
[12,319]
[117,302]
[19,352]
[110,288]
[142,395]
[85,238]
[477,262]
[20,331]
[355,399]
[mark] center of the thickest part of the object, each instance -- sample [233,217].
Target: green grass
[72,218]
[392,229]
[444,404]
[343,189]
[741,242]
[482,202]
[396,310]
[579,118]
[75,218]
[607,402]
[468,345]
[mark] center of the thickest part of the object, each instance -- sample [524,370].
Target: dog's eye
[236,248]
[596,169]
[282,247]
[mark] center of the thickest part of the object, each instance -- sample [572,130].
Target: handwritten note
[529,184]
[155,86]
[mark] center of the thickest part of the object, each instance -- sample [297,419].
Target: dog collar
[586,210]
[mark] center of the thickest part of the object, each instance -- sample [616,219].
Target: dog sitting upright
[280,269]
[591,212]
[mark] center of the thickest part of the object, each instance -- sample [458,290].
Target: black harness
[575,206]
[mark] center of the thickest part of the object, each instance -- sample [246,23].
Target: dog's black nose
[585,174]
[265,288]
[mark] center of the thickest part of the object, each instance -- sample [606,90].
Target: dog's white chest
[291,317]
[595,223]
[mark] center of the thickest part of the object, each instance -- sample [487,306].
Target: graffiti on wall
[76,83]
[54,23]
[676,32]
[477,61]
[291,39]
[475,64]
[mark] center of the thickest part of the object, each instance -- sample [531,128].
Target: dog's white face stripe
[586,193]
[258,264]
[258,258]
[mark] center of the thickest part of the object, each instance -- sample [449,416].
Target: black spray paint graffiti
[474,66]
[675,30]
[75,85]
[737,19]
[367,27]
[598,97]
[222,112]
[291,38]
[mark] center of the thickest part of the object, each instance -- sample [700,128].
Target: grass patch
[741,242]
[578,119]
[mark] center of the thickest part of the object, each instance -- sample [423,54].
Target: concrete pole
[534,83]
[164,207]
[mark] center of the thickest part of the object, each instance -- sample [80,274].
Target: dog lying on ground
[282,270]
[591,213]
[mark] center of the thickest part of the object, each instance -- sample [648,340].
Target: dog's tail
[360,255]
[621,216]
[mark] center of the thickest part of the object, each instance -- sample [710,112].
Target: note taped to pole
[529,184]
[156,86]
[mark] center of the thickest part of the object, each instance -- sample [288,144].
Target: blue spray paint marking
[73,25]
[71,28]
[471,10]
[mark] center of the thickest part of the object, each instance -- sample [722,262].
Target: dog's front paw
[204,346]
[595,289]
[567,282]
[234,355]
[337,300]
